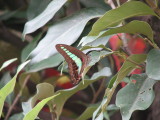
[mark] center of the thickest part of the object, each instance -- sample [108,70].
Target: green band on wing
[74,58]
[69,53]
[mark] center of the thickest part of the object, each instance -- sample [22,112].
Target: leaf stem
[152,44]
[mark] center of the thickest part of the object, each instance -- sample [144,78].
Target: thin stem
[98,91]
[109,92]
[52,111]
[152,44]
[17,97]
[92,88]
[118,3]
[108,49]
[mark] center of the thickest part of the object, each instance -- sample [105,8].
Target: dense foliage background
[122,38]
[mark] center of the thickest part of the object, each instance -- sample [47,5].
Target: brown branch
[98,91]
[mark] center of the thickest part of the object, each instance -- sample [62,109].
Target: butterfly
[76,60]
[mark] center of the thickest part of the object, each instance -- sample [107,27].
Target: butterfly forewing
[76,60]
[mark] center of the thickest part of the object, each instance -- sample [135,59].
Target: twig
[17,97]
[151,43]
[118,2]
[53,113]
[98,91]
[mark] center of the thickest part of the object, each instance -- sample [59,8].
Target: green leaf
[66,94]
[34,112]
[89,39]
[135,96]
[95,56]
[96,44]
[152,65]
[9,87]
[127,10]
[133,27]
[42,89]
[52,61]
[62,33]
[8,62]
[44,17]
[99,41]
[5,79]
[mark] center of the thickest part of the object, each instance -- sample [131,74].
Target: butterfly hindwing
[76,60]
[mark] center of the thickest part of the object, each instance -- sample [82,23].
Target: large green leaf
[135,96]
[52,61]
[65,94]
[62,33]
[44,17]
[133,27]
[153,66]
[127,10]
[9,87]
[8,62]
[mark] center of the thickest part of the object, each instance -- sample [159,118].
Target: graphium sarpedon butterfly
[76,60]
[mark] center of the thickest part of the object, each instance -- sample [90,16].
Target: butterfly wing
[76,60]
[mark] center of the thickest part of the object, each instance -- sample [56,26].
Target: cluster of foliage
[90,28]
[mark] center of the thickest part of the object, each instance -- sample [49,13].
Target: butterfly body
[76,60]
